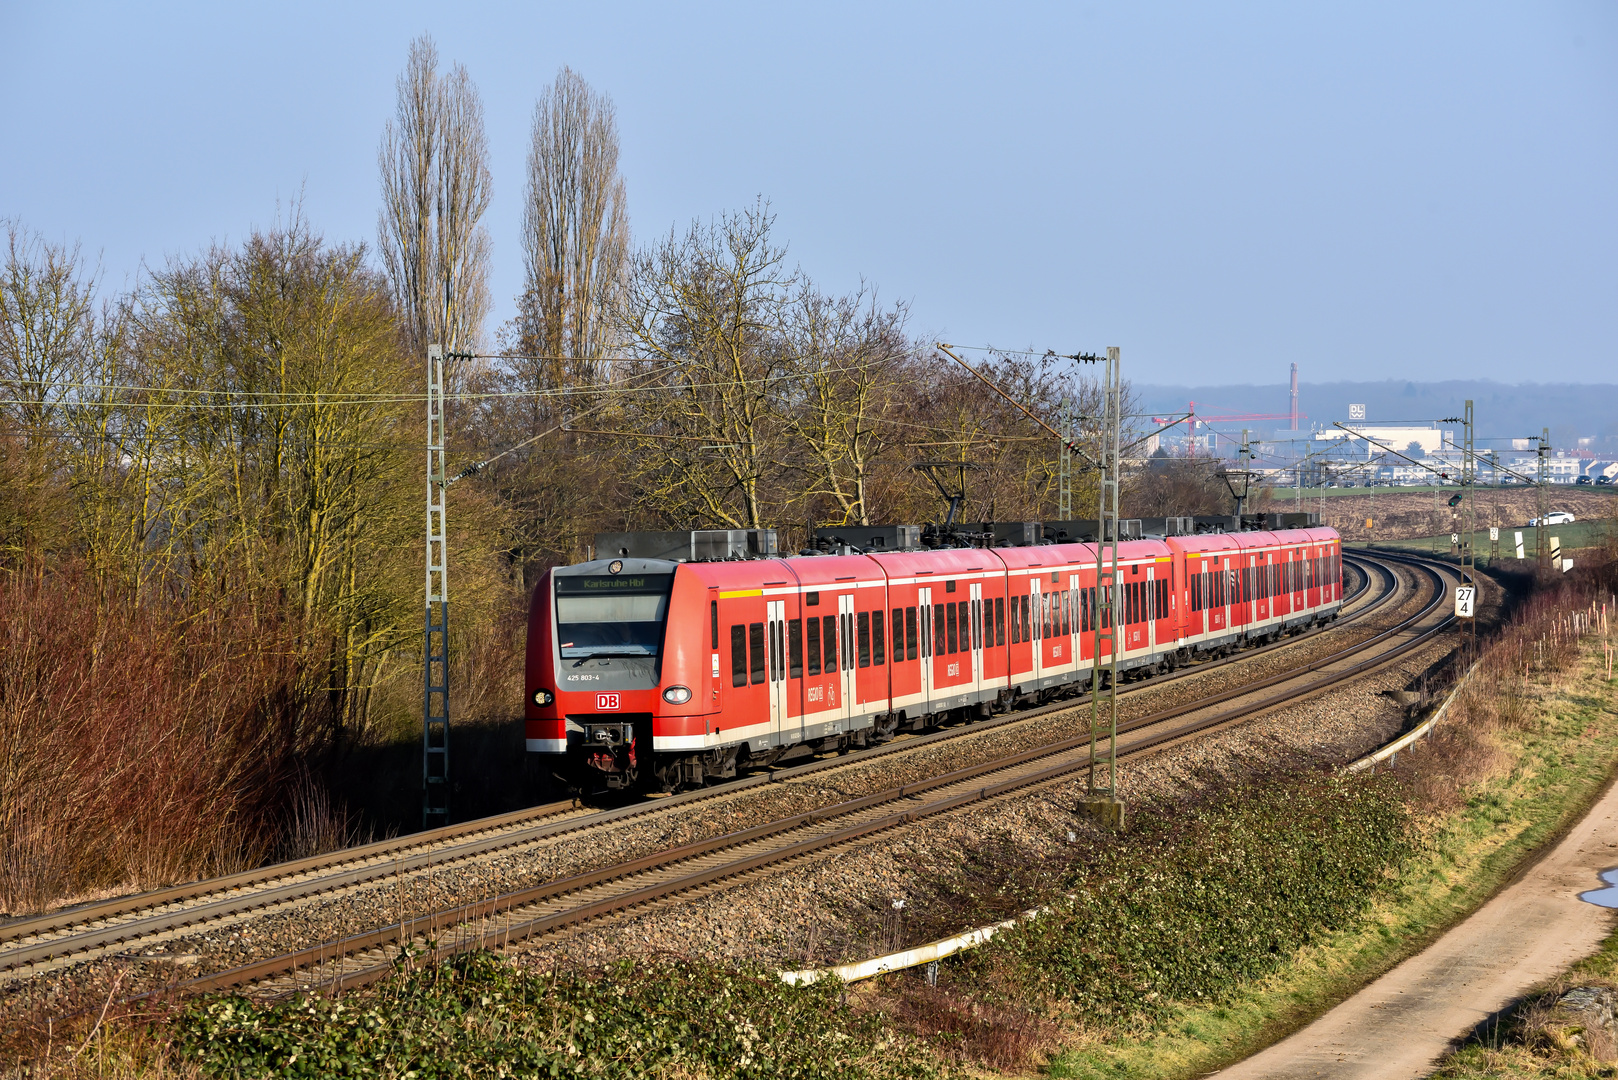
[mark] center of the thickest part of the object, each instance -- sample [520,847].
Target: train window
[926,624]
[811,599]
[968,626]
[982,625]
[814,645]
[713,621]
[795,647]
[620,615]
[878,646]
[949,586]
[864,622]
[952,639]
[1023,604]
[738,655]
[777,653]
[910,633]
[755,651]
[939,637]
[848,641]
[1016,623]
[830,622]
[999,620]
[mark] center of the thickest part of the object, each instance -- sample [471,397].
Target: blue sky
[1371,190]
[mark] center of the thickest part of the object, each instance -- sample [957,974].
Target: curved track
[70,937]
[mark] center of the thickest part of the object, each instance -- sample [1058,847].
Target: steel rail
[356,866]
[458,918]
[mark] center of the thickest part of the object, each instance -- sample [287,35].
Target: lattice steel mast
[435,667]
[1542,539]
[1469,563]
[1102,791]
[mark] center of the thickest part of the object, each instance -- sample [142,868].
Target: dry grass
[965,1029]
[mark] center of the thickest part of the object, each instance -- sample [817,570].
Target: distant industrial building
[1430,439]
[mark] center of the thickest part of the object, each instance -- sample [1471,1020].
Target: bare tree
[843,351]
[434,162]
[46,327]
[708,309]
[575,230]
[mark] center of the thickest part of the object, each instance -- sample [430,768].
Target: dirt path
[1401,1024]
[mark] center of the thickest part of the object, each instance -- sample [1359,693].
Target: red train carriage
[643,670]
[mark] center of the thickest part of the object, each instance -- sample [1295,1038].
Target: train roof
[831,570]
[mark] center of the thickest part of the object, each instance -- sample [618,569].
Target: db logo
[605,702]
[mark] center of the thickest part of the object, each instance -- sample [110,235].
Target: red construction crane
[1222,418]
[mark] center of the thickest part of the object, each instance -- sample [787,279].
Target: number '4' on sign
[1465,600]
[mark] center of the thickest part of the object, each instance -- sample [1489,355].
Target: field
[1412,513]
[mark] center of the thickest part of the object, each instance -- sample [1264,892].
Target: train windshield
[611,615]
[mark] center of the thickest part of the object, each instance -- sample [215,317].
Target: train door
[924,614]
[845,631]
[1075,639]
[977,635]
[1249,604]
[1229,605]
[1152,614]
[715,703]
[1037,624]
[781,721]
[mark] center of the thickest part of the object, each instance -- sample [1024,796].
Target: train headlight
[543,697]
[677,695]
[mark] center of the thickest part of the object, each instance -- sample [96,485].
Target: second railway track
[71,937]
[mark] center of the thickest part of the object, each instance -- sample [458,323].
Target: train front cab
[598,654]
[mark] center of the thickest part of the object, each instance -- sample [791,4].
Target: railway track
[34,946]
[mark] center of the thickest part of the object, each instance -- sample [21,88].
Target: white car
[1559,517]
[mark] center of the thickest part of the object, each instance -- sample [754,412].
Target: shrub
[480,1016]
[141,744]
[1196,903]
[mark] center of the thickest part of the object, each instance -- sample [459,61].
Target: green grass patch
[1552,768]
[1579,534]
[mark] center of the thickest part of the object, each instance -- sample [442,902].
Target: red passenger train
[647,671]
